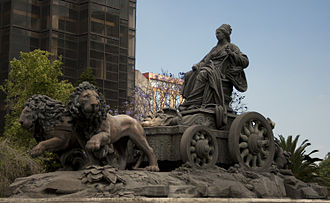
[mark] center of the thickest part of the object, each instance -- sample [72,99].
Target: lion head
[42,112]
[87,103]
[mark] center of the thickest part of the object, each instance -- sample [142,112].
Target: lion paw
[36,151]
[152,168]
[93,145]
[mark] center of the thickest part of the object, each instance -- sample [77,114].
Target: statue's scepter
[220,111]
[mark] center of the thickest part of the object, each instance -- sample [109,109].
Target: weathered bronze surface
[49,122]
[211,80]
[203,133]
[97,130]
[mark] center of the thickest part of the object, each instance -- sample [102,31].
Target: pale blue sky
[287,42]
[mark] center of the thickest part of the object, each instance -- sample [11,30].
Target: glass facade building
[87,33]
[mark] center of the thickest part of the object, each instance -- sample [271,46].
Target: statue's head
[87,102]
[223,32]
[42,111]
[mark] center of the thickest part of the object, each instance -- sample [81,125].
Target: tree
[163,90]
[236,103]
[324,173]
[139,104]
[87,75]
[302,165]
[324,167]
[33,73]
[167,90]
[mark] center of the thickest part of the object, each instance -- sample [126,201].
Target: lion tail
[139,161]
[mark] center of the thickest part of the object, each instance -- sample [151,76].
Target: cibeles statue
[211,81]
[208,87]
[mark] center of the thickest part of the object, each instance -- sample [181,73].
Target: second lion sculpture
[49,122]
[97,130]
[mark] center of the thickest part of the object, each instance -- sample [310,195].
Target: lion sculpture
[49,121]
[97,130]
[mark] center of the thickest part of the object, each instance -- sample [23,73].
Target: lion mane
[46,113]
[76,113]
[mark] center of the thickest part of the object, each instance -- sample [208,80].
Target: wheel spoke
[261,132]
[243,145]
[260,161]
[210,158]
[256,126]
[251,127]
[244,137]
[211,150]
[192,149]
[244,153]
[264,143]
[246,131]
[254,161]
[248,159]
[196,137]
[265,153]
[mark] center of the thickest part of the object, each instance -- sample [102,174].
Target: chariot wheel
[251,141]
[198,146]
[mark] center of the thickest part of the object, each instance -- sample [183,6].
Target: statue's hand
[229,51]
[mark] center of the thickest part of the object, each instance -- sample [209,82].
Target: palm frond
[303,166]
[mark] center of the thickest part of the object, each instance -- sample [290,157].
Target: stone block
[271,186]
[309,193]
[321,190]
[154,191]
[183,191]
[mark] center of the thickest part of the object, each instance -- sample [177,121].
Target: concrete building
[88,33]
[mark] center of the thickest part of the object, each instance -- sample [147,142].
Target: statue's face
[220,35]
[89,103]
[27,119]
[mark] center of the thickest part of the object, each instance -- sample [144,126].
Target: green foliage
[324,167]
[14,164]
[324,173]
[87,75]
[303,166]
[33,73]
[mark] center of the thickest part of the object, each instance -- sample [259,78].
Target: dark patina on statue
[97,130]
[203,133]
[84,127]
[50,123]
[205,128]
[211,80]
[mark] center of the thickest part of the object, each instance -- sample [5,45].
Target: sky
[287,43]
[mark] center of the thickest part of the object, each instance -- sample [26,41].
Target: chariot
[207,138]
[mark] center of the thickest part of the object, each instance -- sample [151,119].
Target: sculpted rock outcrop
[184,182]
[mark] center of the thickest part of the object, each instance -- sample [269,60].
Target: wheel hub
[254,143]
[203,148]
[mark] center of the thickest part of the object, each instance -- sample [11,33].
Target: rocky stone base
[159,200]
[184,182]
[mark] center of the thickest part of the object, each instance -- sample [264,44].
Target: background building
[166,91]
[88,33]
